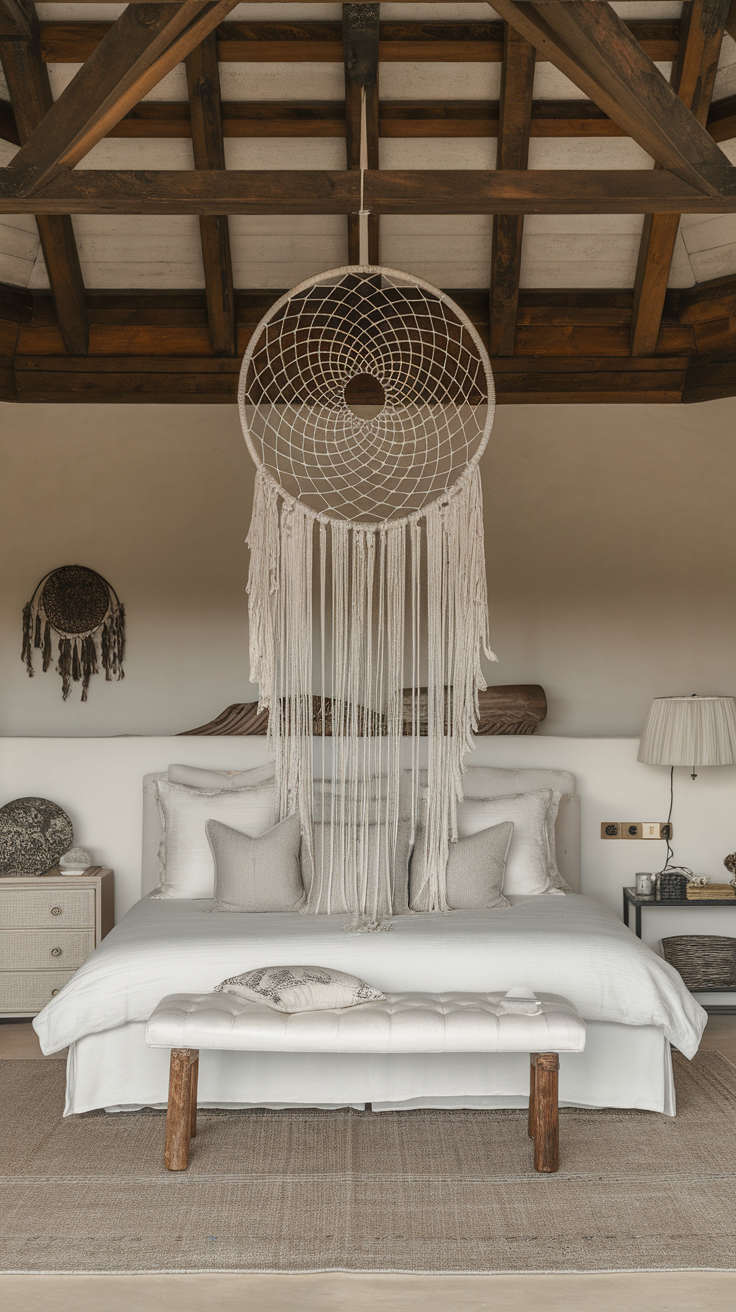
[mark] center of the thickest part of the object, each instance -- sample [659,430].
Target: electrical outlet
[631,829]
[635,829]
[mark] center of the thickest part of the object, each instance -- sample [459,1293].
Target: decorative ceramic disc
[34,833]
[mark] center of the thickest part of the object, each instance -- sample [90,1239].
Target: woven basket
[672,886]
[705,961]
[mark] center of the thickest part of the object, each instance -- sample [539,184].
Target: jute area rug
[421,1191]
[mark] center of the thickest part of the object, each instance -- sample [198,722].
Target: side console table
[48,927]
[634,899]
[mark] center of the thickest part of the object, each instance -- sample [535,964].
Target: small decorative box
[672,886]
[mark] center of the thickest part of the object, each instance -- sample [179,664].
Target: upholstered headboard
[567,829]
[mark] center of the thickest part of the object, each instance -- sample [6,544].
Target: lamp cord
[685,870]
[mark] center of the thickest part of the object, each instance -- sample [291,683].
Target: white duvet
[569,945]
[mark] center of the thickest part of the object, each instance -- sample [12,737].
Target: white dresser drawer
[44,949]
[52,908]
[29,992]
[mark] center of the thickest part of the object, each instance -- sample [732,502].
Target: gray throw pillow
[257,874]
[475,870]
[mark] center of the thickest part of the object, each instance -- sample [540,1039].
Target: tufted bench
[541,1024]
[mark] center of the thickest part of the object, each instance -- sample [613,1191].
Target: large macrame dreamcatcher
[366,399]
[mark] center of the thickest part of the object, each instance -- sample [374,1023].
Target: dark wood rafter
[297,41]
[360,45]
[142,46]
[389,191]
[514,123]
[693,76]
[203,81]
[571,347]
[8,126]
[30,93]
[396,118]
[592,46]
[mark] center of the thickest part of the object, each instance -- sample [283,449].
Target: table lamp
[692,731]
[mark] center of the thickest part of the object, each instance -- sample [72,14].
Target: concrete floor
[667,1291]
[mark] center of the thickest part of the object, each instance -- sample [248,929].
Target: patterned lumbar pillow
[300,988]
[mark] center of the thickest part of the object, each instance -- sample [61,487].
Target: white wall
[611,556]
[98,782]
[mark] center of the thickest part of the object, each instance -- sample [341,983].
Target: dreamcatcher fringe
[375,596]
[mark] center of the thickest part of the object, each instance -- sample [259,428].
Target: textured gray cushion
[475,870]
[316,881]
[257,874]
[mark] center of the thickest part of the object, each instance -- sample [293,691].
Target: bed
[635,1004]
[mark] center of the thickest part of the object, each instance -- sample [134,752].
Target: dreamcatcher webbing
[377,514]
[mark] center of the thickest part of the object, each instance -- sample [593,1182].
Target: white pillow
[527,865]
[189,871]
[195,776]
[480,781]
[300,988]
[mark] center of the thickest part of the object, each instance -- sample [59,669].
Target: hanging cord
[668,866]
[363,213]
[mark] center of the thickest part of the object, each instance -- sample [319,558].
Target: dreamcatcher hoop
[423,352]
[366,398]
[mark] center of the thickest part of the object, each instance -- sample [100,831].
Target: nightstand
[634,899]
[48,927]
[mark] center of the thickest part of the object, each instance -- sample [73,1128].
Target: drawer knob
[54,992]
[56,911]
[56,952]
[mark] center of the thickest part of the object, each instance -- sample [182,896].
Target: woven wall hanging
[366,399]
[85,613]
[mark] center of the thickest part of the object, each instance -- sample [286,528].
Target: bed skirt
[622,1066]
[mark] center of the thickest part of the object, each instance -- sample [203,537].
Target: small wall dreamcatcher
[84,611]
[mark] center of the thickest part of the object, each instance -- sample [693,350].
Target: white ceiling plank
[18,242]
[455,226]
[718,230]
[587,153]
[716,263]
[681,270]
[139,153]
[440,81]
[282,81]
[287,225]
[15,270]
[596,224]
[438,152]
[284,153]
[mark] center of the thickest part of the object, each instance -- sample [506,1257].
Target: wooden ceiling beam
[30,94]
[203,81]
[360,51]
[140,48]
[514,123]
[693,77]
[318,42]
[397,118]
[8,128]
[389,191]
[595,49]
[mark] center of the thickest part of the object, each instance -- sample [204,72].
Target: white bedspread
[568,945]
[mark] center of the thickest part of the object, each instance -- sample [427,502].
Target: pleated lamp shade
[690,731]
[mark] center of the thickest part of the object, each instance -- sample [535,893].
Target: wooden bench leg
[546,1120]
[532,1098]
[181,1111]
[194,1070]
